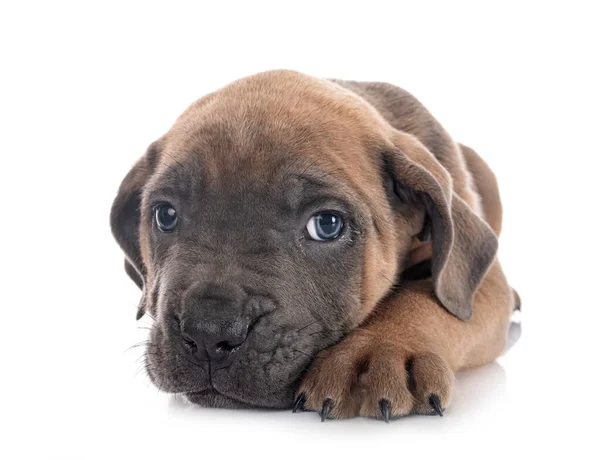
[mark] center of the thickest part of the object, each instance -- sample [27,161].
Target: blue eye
[325,226]
[166,218]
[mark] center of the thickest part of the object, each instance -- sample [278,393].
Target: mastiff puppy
[317,244]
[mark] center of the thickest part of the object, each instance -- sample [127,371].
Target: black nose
[217,339]
[214,325]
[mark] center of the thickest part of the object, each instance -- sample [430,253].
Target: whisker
[310,165]
[172,158]
[139,344]
[148,315]
[142,366]
[301,352]
[146,354]
[307,326]
[329,331]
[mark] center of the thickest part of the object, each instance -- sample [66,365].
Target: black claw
[386,409]
[299,403]
[434,401]
[327,406]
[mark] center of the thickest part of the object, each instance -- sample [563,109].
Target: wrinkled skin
[300,295]
[245,169]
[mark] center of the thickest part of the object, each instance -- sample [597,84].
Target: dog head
[269,222]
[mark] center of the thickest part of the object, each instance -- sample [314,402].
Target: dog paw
[383,381]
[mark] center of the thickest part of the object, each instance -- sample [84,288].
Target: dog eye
[325,226]
[166,217]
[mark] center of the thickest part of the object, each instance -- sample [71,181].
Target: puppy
[317,244]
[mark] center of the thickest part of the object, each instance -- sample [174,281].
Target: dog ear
[125,213]
[463,245]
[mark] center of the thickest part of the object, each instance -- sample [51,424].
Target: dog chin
[213,398]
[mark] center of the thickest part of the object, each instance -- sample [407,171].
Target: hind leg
[486,186]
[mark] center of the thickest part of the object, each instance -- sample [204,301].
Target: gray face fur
[240,259]
[240,256]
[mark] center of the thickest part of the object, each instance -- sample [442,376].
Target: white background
[85,88]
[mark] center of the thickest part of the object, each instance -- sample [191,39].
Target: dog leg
[403,359]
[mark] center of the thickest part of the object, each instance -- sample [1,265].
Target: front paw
[365,376]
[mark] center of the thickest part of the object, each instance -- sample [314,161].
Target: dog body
[324,240]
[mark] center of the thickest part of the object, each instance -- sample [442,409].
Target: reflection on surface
[476,392]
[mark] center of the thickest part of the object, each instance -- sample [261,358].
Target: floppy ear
[125,214]
[463,245]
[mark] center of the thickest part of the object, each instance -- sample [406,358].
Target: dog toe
[380,382]
[385,410]
[299,403]
[328,388]
[384,386]
[434,401]
[326,409]
[432,382]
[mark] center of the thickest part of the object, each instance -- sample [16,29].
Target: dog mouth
[215,395]
[264,372]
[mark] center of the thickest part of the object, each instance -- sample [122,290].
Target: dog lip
[253,324]
[205,392]
[212,391]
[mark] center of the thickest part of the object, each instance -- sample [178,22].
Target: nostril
[190,344]
[226,347]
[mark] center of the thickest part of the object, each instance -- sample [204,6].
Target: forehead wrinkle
[260,116]
[166,180]
[307,188]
